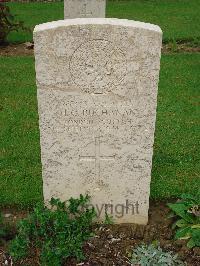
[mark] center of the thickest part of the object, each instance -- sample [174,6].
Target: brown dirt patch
[179,48]
[25,49]
[112,243]
[21,49]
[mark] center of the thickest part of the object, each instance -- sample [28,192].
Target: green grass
[20,176]
[179,19]
[176,166]
[176,163]
[33,14]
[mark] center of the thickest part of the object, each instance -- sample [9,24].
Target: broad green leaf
[181,223]
[181,210]
[183,233]
[196,236]
[189,197]
[190,243]
[195,226]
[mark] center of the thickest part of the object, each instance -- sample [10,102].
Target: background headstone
[97,89]
[84,9]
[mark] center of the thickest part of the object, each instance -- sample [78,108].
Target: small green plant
[153,255]
[56,233]
[195,42]
[173,46]
[108,219]
[187,211]
[8,23]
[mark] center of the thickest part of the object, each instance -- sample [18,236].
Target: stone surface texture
[97,92]
[84,9]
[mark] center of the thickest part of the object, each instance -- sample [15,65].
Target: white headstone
[97,88]
[84,9]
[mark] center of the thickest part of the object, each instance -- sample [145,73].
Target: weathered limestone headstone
[84,8]
[97,88]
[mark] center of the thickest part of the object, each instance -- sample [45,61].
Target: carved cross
[97,158]
[86,13]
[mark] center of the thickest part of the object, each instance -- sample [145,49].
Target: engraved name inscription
[97,118]
[103,112]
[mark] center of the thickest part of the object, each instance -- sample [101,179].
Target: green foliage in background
[187,211]
[179,19]
[56,233]
[8,23]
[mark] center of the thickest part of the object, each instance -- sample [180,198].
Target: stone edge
[96,21]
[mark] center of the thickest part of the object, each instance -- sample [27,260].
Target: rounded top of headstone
[97,21]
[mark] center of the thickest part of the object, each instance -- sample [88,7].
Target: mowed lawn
[179,19]
[176,163]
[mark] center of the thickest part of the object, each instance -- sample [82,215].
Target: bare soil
[112,244]
[24,49]
[180,48]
